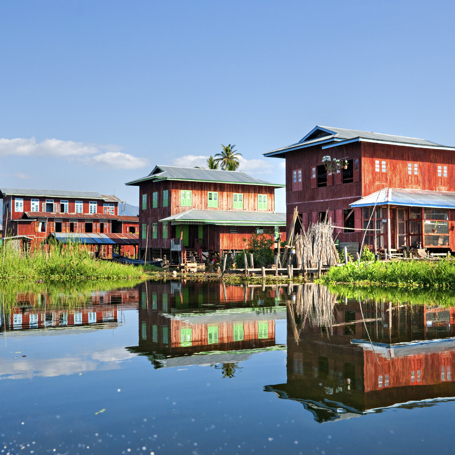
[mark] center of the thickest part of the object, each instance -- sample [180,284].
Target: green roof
[202,175]
[228,218]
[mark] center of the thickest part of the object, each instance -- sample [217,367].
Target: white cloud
[255,166]
[89,154]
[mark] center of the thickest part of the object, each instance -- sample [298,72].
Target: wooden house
[401,189]
[203,210]
[75,215]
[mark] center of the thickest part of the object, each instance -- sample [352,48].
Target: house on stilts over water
[399,190]
[192,212]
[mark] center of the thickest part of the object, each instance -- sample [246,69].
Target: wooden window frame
[66,206]
[212,203]
[144,231]
[297,180]
[34,205]
[79,207]
[186,201]
[155,199]
[165,198]
[165,230]
[92,204]
[144,201]
[18,201]
[154,230]
[238,205]
[262,202]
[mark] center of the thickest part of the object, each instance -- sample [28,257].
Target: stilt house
[192,210]
[401,189]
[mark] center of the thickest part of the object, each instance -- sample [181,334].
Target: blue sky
[95,93]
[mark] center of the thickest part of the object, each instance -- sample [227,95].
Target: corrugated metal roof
[82,216]
[97,239]
[228,217]
[202,175]
[327,134]
[409,198]
[51,193]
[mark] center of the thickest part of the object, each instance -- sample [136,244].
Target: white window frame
[79,207]
[77,318]
[18,204]
[66,206]
[92,317]
[92,204]
[384,166]
[377,166]
[34,205]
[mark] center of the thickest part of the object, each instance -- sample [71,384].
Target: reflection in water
[347,358]
[205,324]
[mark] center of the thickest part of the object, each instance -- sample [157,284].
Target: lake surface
[203,368]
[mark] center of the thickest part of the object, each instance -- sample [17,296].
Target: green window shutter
[165,230]
[154,301]
[164,297]
[154,231]
[212,199]
[263,330]
[165,198]
[178,230]
[262,202]
[200,232]
[144,231]
[185,198]
[155,199]
[213,334]
[165,335]
[144,201]
[186,337]
[238,332]
[144,331]
[144,300]
[238,201]
[155,333]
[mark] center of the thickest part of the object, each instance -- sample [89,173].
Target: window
[212,334]
[18,205]
[436,228]
[297,179]
[321,176]
[377,166]
[186,337]
[384,166]
[79,207]
[144,331]
[101,228]
[154,301]
[348,174]
[154,230]
[165,335]
[58,226]
[64,206]
[92,207]
[238,201]
[233,230]
[442,171]
[164,300]
[144,202]
[92,317]
[349,221]
[33,320]
[213,199]
[88,227]
[379,381]
[263,329]
[165,231]
[35,205]
[155,199]
[49,205]
[77,318]
[42,226]
[144,231]
[259,230]
[409,168]
[154,333]
[185,198]
[238,332]
[165,198]
[416,169]
[109,208]
[262,202]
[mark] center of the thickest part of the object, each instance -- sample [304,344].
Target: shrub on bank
[410,273]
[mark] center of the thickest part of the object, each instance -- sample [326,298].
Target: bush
[261,247]
[367,255]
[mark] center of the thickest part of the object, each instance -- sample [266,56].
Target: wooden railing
[198,249]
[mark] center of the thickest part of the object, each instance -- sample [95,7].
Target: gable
[317,133]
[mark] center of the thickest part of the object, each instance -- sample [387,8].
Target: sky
[95,93]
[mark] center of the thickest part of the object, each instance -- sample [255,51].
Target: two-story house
[76,215]
[203,210]
[405,185]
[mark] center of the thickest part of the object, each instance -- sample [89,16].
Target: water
[168,368]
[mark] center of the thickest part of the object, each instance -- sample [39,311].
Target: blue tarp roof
[408,198]
[98,239]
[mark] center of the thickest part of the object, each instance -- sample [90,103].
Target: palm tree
[212,163]
[228,158]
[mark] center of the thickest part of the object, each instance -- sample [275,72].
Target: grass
[433,274]
[67,262]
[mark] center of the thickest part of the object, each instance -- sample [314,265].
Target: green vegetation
[436,274]
[66,262]
[261,247]
[228,158]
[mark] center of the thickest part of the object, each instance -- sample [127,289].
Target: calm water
[205,368]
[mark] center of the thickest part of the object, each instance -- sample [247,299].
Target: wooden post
[291,269]
[277,259]
[246,263]
[345,255]
[290,235]
[224,263]
[263,272]
[252,260]
[319,269]
[389,233]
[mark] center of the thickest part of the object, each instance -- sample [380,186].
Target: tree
[212,163]
[228,158]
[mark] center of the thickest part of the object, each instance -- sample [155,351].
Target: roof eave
[376,141]
[279,153]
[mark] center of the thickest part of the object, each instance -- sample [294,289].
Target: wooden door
[186,241]
[402,228]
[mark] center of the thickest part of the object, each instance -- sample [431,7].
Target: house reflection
[206,323]
[345,359]
[33,310]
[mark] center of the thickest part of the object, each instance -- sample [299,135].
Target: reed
[65,262]
[435,274]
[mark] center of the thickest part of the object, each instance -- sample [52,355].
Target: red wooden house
[76,215]
[406,185]
[203,210]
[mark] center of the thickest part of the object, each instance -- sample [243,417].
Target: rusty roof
[78,216]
